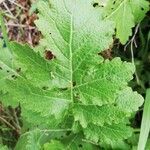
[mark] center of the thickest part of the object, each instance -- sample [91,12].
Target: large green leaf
[77,79]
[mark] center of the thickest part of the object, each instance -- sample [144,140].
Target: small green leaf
[126,14]
[139,9]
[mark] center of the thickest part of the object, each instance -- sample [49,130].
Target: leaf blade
[145,126]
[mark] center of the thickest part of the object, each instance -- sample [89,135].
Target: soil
[19,22]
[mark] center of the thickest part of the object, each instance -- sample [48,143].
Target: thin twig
[133,41]
[16,123]
[9,16]
[20,25]
[29,38]
[88,141]
[133,38]
[17,4]
[7,123]
[8,9]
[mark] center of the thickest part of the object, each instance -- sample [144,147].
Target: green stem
[2,23]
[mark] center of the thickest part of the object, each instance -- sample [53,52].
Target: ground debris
[19,21]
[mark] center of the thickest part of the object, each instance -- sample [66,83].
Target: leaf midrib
[109,16]
[71,54]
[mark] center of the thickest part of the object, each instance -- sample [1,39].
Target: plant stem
[4,29]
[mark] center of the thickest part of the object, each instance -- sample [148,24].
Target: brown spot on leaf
[49,55]
[45,88]
[18,70]
[107,54]
[14,76]
[95,4]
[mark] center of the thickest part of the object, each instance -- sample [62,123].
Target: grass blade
[145,127]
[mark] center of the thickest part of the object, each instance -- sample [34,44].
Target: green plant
[145,127]
[77,99]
